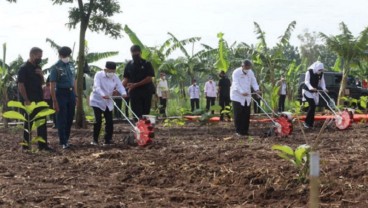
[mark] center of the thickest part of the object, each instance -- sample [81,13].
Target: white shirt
[242,83]
[313,95]
[283,88]
[162,86]
[210,89]
[104,86]
[194,92]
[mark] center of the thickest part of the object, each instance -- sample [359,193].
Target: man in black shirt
[138,75]
[224,93]
[30,81]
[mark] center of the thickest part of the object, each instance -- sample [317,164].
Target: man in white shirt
[210,91]
[194,94]
[314,79]
[282,93]
[240,94]
[105,82]
[162,93]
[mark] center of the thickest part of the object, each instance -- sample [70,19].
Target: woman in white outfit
[314,79]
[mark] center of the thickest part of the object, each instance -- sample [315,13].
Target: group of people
[138,85]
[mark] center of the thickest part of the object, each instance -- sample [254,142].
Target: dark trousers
[53,116]
[194,104]
[210,101]
[256,108]
[282,103]
[109,125]
[309,120]
[118,103]
[223,102]
[64,118]
[141,104]
[41,131]
[163,102]
[241,117]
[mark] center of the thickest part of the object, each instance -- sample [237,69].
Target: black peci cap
[247,62]
[110,65]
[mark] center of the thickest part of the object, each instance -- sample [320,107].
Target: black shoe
[306,126]
[47,149]
[108,143]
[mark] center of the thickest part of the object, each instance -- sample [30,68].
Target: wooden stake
[314,180]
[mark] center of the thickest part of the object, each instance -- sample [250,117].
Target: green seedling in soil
[299,158]
[227,112]
[38,120]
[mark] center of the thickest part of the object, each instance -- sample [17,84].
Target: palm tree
[349,49]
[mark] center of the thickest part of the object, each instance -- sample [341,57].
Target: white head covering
[317,66]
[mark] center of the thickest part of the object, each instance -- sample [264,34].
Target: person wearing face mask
[210,91]
[138,74]
[313,81]
[240,94]
[282,93]
[224,93]
[30,81]
[63,93]
[162,93]
[194,94]
[104,85]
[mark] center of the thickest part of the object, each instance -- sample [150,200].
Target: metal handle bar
[264,101]
[126,104]
[328,103]
[264,111]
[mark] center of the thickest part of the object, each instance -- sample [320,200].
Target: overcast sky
[29,22]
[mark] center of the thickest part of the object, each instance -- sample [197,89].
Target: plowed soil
[190,166]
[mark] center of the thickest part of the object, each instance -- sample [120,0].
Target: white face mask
[109,74]
[65,60]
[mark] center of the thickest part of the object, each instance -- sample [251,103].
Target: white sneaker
[94,143]
[65,146]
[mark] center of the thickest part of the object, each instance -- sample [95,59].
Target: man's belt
[65,89]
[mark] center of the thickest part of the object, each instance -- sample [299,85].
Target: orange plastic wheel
[283,127]
[343,120]
[143,132]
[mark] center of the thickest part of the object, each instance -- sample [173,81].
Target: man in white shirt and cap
[162,92]
[105,82]
[210,91]
[240,94]
[314,79]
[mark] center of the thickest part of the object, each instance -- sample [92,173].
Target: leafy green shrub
[37,122]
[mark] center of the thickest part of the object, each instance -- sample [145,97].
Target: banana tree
[351,51]
[273,59]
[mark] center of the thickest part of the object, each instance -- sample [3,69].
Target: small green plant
[36,120]
[227,111]
[299,158]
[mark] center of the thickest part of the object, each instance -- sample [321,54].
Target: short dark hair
[247,62]
[110,65]
[135,48]
[65,51]
[35,50]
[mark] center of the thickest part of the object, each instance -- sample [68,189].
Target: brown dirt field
[191,166]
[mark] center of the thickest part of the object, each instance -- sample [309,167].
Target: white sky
[29,22]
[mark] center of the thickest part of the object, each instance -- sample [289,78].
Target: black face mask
[136,58]
[37,61]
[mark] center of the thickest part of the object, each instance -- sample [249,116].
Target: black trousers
[53,116]
[163,102]
[210,101]
[223,102]
[109,125]
[282,103]
[241,117]
[194,104]
[309,120]
[141,103]
[118,103]
[41,131]
[256,108]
